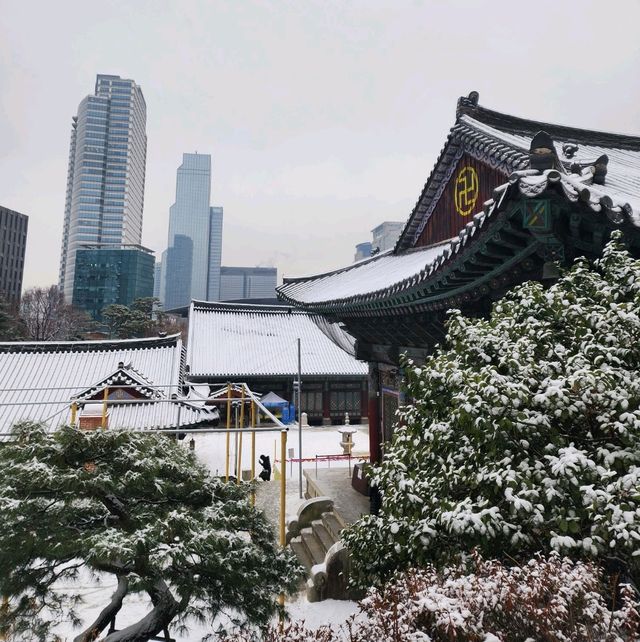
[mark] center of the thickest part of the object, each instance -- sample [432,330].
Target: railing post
[253,453]
[283,495]
[239,478]
[226,466]
[104,407]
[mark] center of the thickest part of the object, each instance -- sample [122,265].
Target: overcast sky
[323,118]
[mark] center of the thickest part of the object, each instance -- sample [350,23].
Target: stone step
[313,545]
[332,524]
[302,553]
[321,532]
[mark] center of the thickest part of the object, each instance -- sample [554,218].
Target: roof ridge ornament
[542,153]
[467,104]
[600,169]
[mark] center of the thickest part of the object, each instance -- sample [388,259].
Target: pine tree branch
[107,614]
[116,507]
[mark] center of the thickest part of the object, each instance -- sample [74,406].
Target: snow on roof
[622,182]
[231,340]
[39,380]
[371,275]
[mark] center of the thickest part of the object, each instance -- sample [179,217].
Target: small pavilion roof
[231,341]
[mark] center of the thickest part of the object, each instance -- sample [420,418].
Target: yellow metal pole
[283,496]
[239,479]
[226,474]
[104,407]
[253,452]
[74,412]
[283,483]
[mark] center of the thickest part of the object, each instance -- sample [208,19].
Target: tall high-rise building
[111,274]
[105,181]
[191,264]
[13,241]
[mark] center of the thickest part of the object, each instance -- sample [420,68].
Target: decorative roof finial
[542,153]
[467,103]
[600,169]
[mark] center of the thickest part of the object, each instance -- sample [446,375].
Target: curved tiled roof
[228,340]
[39,380]
[502,141]
[386,277]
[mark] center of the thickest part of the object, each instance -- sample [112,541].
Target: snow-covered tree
[522,434]
[137,506]
[548,599]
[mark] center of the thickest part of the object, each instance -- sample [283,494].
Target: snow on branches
[548,599]
[522,433]
[137,506]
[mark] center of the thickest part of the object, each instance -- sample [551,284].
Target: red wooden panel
[471,184]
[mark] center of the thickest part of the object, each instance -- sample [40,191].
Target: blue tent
[272,400]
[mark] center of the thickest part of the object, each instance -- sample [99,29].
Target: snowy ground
[211,449]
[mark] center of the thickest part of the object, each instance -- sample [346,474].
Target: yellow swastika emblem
[466,190]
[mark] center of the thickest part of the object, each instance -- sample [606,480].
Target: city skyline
[344,132]
[104,202]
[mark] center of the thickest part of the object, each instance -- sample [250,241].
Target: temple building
[258,345]
[508,199]
[130,383]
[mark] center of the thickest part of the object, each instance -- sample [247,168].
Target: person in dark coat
[265,462]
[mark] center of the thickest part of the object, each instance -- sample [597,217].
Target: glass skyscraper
[106,275]
[105,181]
[191,263]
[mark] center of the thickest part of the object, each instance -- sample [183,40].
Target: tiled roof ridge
[78,346]
[345,268]
[356,264]
[527,126]
[219,306]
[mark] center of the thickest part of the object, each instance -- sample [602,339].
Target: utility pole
[300,417]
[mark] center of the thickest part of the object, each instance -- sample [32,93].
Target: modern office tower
[157,277]
[105,181]
[215,253]
[13,241]
[247,283]
[191,269]
[386,234]
[363,251]
[111,274]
